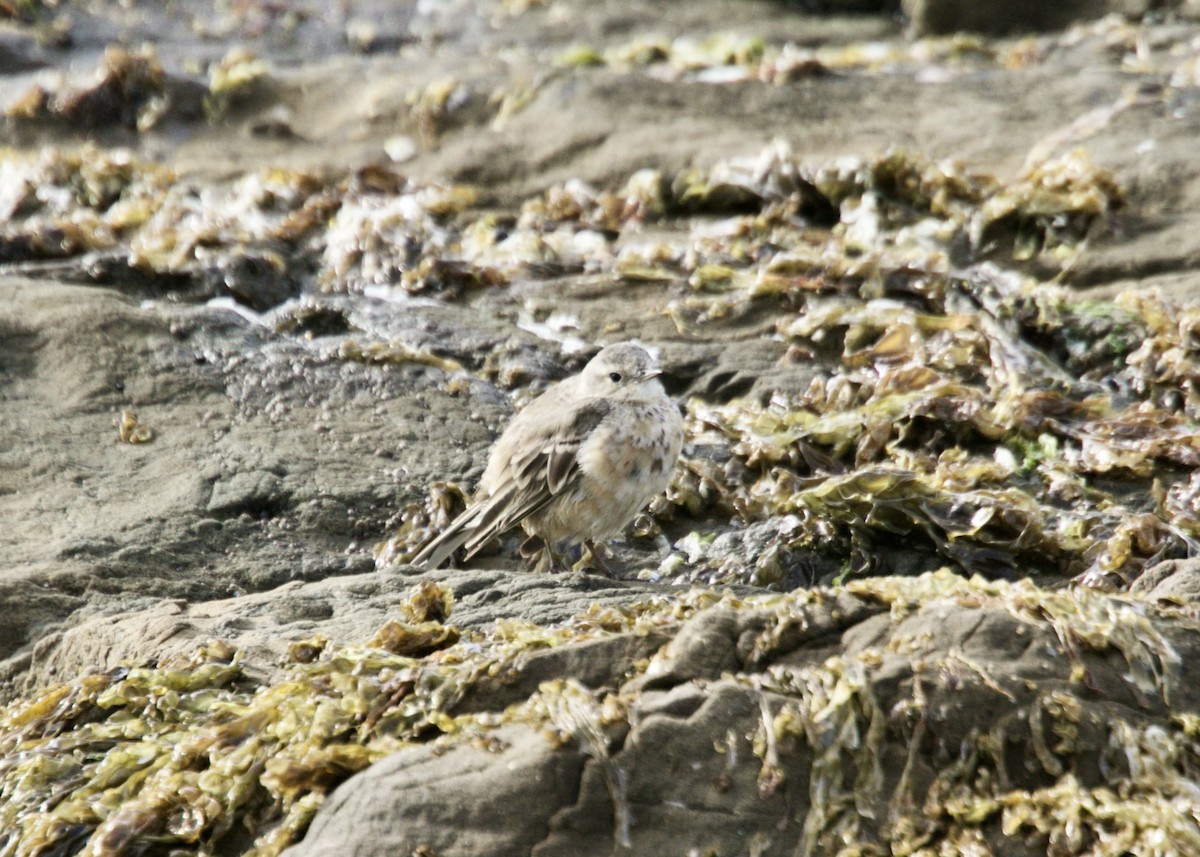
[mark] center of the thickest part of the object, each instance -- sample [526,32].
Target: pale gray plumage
[578,463]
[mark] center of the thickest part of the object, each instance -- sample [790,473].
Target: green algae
[837,723]
[1021,431]
[970,409]
[233,79]
[176,755]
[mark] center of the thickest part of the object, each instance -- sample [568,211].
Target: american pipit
[577,464]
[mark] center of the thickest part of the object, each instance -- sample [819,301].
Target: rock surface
[263,274]
[930,17]
[863,707]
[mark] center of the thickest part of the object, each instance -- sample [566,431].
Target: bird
[576,465]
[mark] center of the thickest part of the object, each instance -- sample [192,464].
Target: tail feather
[480,524]
[450,540]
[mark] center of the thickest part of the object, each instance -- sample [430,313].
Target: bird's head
[623,371]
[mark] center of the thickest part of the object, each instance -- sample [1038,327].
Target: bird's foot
[564,557]
[548,559]
[594,557]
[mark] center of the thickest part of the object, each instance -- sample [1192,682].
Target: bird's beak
[653,373]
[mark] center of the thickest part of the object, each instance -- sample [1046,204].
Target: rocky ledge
[273,278]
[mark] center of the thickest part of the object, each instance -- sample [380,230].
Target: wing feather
[544,462]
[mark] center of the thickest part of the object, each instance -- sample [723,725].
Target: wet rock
[932,17]
[353,605]
[33,612]
[1177,579]
[312,318]
[260,281]
[257,493]
[19,53]
[598,664]
[475,807]
[729,736]
[117,272]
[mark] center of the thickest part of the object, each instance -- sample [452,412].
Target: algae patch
[196,754]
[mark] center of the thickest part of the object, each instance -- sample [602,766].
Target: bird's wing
[541,462]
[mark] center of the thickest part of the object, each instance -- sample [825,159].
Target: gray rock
[995,18]
[859,741]
[1176,579]
[258,493]
[496,799]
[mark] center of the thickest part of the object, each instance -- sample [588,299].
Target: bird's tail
[450,540]
[478,525]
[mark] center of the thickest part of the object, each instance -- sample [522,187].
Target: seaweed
[956,409]
[177,754]
[128,90]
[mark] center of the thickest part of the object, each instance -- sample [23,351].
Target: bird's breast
[631,454]
[624,462]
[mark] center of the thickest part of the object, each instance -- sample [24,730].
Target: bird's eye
[615,377]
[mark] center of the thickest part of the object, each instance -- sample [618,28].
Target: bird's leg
[568,557]
[576,557]
[548,558]
[594,556]
[545,562]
